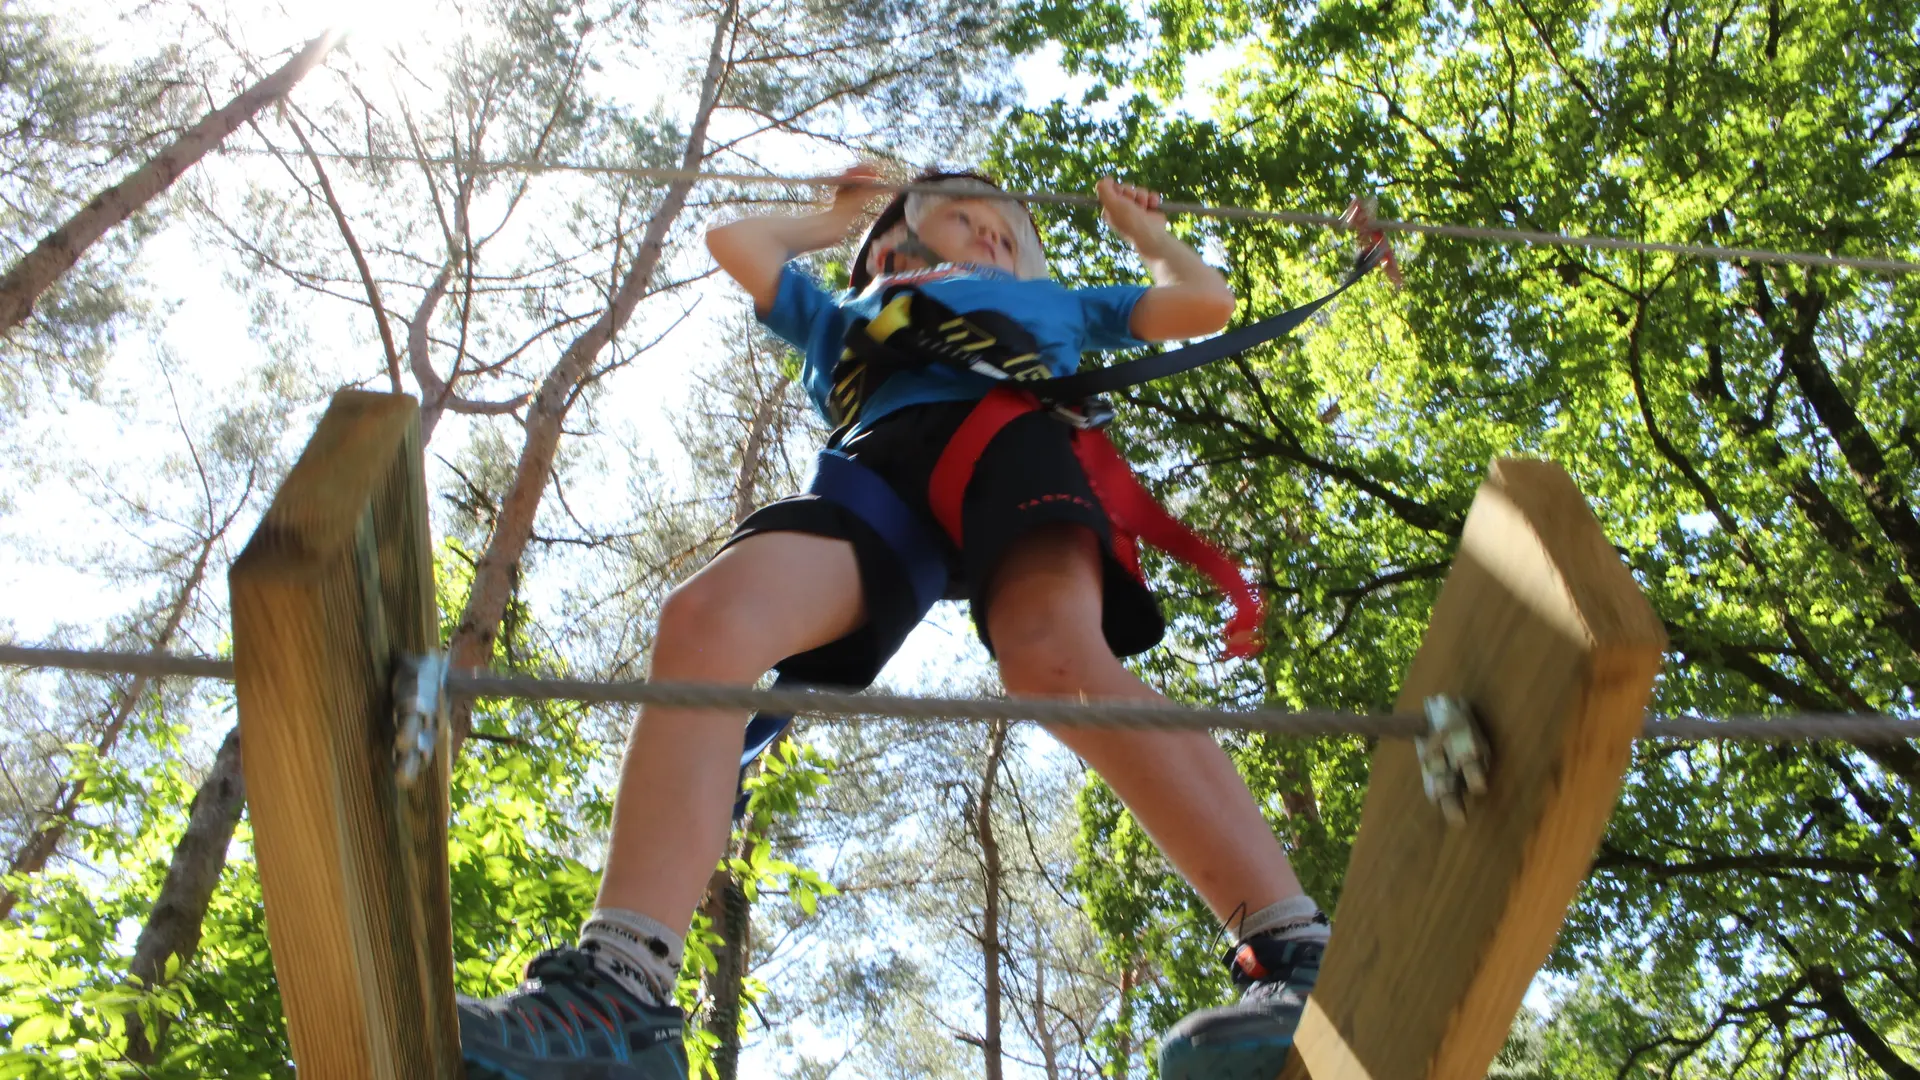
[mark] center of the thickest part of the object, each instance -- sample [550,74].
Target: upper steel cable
[1502,235]
[1795,727]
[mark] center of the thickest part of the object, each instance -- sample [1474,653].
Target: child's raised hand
[856,190]
[1134,212]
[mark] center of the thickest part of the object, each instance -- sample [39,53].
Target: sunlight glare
[377,28]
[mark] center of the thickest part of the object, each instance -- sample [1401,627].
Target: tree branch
[1771,864]
[1831,988]
[1884,493]
[353,248]
[1282,444]
[56,253]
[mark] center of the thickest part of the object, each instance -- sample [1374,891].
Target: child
[820,588]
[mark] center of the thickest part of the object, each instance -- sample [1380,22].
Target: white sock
[1296,918]
[636,951]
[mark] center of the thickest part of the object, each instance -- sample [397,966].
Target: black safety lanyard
[1106,380]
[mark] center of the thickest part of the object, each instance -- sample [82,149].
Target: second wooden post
[1440,928]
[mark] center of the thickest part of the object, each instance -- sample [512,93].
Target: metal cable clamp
[1453,756]
[421,713]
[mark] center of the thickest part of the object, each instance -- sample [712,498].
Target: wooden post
[1440,929]
[336,583]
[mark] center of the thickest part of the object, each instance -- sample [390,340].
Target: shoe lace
[1230,929]
[563,963]
[576,971]
[552,967]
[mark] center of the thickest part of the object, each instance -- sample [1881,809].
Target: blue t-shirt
[1066,322]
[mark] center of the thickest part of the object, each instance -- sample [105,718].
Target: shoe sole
[1252,1060]
[479,1068]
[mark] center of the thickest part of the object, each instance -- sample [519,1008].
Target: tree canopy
[1747,433]
[961,903]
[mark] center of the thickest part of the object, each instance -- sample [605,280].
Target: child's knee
[707,627]
[1046,650]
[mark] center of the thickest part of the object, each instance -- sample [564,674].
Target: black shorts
[1028,477]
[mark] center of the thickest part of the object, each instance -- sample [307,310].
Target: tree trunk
[433,389]
[60,249]
[732,917]
[479,625]
[746,488]
[1299,799]
[726,905]
[1043,1031]
[1123,1023]
[990,947]
[33,855]
[173,930]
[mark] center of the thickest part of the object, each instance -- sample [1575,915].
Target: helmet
[895,226]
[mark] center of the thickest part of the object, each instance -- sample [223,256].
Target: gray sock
[635,951]
[1296,918]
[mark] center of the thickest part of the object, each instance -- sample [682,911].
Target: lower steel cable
[1790,727]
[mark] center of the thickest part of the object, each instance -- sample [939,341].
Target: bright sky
[211,345]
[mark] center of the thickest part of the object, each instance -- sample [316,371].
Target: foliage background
[1749,436]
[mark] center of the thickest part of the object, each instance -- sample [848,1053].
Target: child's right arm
[753,250]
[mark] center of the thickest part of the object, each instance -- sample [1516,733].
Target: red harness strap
[1131,510]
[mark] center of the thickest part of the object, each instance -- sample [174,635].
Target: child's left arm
[1188,298]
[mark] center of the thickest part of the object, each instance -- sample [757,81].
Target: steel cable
[1502,235]
[1792,727]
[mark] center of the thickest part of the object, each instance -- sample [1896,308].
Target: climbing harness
[1133,514]
[912,330]
[860,491]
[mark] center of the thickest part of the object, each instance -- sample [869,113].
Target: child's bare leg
[1043,616]
[604,1009]
[1044,619]
[765,598]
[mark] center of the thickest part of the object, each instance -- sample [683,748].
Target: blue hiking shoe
[1250,1040]
[567,1021]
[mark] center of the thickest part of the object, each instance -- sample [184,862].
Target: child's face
[969,230]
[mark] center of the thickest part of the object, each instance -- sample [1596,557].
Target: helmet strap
[908,247]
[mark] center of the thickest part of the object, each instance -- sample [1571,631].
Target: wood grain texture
[1439,929]
[335,583]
